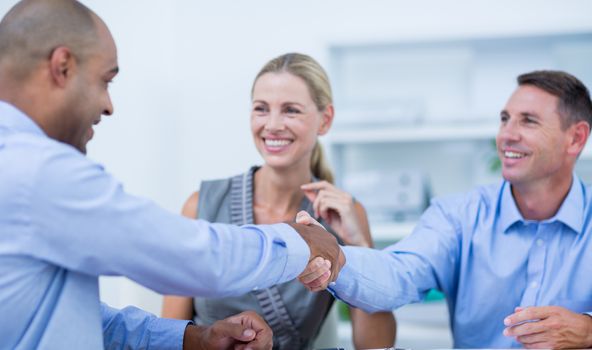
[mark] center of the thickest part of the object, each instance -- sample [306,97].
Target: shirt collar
[572,208]
[15,120]
[570,212]
[509,213]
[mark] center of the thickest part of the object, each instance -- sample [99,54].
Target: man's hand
[244,331]
[316,276]
[326,255]
[549,327]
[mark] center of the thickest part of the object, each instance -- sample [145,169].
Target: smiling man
[513,259]
[64,220]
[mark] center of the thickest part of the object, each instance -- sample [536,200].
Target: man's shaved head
[32,29]
[57,59]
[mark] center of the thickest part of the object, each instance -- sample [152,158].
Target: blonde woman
[291,107]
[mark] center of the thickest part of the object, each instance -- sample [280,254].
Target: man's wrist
[193,337]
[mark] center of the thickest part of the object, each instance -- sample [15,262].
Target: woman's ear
[326,120]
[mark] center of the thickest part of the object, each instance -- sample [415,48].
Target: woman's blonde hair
[317,81]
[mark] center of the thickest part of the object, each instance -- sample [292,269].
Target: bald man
[64,221]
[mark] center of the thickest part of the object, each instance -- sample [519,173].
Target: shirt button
[534,284]
[539,242]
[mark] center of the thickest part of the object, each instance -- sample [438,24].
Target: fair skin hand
[549,327]
[338,209]
[245,331]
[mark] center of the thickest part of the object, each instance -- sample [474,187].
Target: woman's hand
[339,210]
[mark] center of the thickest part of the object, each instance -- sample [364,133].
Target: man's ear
[579,135]
[61,65]
[326,120]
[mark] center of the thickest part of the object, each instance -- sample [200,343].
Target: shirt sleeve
[132,328]
[83,220]
[404,272]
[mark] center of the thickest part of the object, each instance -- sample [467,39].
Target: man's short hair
[574,99]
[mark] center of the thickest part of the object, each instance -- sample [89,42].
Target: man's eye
[259,109]
[292,110]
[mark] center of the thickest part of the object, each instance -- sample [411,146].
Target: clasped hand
[327,259]
[245,331]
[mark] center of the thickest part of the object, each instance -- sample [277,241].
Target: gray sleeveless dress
[294,314]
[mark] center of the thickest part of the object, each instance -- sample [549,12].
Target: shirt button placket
[535,267]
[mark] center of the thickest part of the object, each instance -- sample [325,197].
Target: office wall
[182,97]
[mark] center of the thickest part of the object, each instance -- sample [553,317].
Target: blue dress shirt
[64,221]
[485,257]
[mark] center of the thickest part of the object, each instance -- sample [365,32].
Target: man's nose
[109,107]
[509,132]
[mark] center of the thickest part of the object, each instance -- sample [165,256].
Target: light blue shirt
[64,221]
[485,257]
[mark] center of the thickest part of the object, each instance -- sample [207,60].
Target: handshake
[326,257]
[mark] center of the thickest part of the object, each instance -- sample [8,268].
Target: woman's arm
[174,306]
[372,331]
[377,330]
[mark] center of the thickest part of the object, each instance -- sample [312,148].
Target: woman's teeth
[277,143]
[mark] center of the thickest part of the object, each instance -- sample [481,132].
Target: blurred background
[418,88]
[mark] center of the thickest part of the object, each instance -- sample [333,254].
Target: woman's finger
[319,185]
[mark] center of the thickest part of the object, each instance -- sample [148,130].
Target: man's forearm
[375,280]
